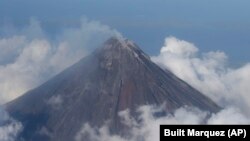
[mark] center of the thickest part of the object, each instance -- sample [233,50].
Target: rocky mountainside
[115,77]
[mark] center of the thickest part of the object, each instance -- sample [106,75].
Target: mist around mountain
[116,77]
[225,90]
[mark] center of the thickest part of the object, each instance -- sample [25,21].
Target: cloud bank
[148,127]
[207,72]
[29,57]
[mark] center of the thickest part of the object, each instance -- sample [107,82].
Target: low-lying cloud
[9,128]
[207,72]
[147,129]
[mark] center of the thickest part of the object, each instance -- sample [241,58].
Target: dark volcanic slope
[115,77]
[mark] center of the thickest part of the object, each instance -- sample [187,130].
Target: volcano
[115,77]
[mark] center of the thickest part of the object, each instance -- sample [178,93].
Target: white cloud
[29,58]
[10,47]
[147,129]
[229,116]
[207,72]
[179,47]
[9,128]
[28,69]
[101,134]
[9,132]
[55,102]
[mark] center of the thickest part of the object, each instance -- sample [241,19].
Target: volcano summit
[115,77]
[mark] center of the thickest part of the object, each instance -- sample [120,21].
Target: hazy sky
[209,24]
